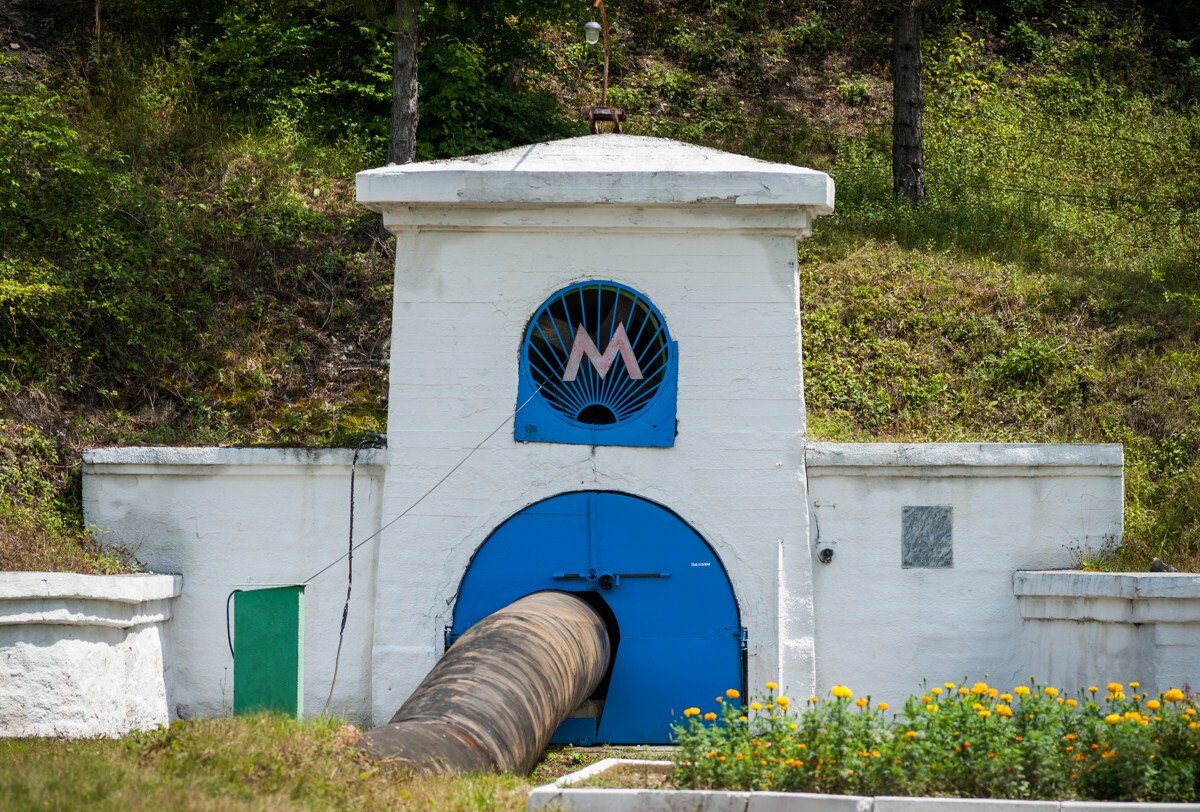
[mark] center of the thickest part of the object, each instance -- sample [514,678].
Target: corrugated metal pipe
[495,698]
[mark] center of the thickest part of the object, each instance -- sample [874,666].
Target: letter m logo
[585,346]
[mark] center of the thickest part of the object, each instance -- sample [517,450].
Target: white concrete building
[596,368]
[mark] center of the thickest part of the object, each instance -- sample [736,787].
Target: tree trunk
[403,141]
[908,105]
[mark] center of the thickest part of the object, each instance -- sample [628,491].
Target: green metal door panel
[268,646]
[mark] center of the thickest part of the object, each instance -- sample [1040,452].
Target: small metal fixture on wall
[593,32]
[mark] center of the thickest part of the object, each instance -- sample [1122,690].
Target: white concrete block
[890,804]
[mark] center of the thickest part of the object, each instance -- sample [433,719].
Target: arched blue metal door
[680,640]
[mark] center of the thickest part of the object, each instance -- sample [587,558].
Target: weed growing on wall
[1112,742]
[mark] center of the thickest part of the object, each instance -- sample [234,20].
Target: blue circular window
[597,355]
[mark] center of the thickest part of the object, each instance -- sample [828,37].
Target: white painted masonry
[1087,628]
[226,517]
[710,238]
[881,628]
[82,655]
[480,244]
[566,794]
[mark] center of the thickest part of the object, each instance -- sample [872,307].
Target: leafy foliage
[968,740]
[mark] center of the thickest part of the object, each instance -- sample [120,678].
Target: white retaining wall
[82,655]
[882,628]
[226,517]
[1089,628]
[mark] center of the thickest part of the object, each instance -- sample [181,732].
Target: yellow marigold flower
[992,693]
[771,686]
[935,691]
[1071,703]
[691,712]
[1135,685]
[755,706]
[1006,697]
[1113,718]
[977,707]
[1113,687]
[861,702]
[910,734]
[1193,725]
[1004,710]
[732,693]
[949,686]
[710,717]
[814,699]
[963,691]
[1021,690]
[1119,695]
[1051,691]
[1092,689]
[983,714]
[884,706]
[793,726]
[1173,695]
[931,707]
[783,702]
[1189,712]
[1153,704]
[842,692]
[741,718]
[979,688]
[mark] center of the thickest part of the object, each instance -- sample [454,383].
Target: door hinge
[742,637]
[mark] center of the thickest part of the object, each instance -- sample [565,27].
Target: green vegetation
[247,763]
[181,259]
[964,740]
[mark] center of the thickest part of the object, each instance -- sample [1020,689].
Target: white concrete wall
[226,517]
[1090,628]
[82,655]
[882,629]
[467,281]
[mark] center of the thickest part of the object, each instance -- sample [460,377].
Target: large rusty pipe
[495,698]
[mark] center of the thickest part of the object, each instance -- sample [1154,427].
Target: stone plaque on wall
[926,537]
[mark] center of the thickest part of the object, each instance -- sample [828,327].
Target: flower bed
[968,740]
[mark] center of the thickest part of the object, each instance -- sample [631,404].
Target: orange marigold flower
[910,734]
[884,706]
[1004,710]
[1021,690]
[733,693]
[691,712]
[1092,689]
[979,688]
[1114,687]
[861,702]
[1071,703]
[710,717]
[1006,697]
[1051,691]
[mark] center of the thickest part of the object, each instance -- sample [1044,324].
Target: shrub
[962,740]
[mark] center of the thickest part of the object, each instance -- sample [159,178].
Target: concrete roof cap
[629,170]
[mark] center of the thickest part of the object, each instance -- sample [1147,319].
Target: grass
[250,763]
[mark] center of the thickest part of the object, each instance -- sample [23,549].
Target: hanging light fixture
[593,32]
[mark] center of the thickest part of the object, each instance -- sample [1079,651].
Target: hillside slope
[181,259]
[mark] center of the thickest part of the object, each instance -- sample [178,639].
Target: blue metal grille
[597,353]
